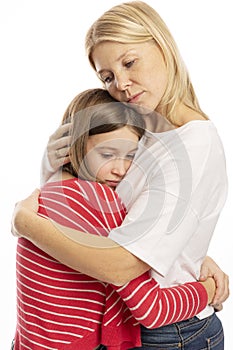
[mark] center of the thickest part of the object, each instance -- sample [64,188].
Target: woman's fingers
[222,291]
[58,147]
[61,130]
[62,142]
[209,268]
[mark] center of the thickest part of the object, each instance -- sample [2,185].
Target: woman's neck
[155,122]
[184,114]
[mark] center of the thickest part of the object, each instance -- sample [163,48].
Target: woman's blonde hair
[93,112]
[137,22]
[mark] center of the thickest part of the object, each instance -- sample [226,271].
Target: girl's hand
[210,269]
[30,204]
[57,152]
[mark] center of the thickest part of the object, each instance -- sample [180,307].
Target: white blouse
[174,193]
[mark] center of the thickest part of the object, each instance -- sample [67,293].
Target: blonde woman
[173,196]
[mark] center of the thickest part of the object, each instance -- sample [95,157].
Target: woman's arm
[107,261]
[151,305]
[98,257]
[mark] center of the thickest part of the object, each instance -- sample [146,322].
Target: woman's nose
[122,81]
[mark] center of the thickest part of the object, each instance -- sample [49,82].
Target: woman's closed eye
[129,64]
[108,77]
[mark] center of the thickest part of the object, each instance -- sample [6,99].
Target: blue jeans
[192,334]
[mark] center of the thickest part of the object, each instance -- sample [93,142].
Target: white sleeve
[46,169]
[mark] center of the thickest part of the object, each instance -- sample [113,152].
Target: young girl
[59,308]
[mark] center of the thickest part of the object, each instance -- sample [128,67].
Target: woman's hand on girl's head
[27,205]
[57,152]
[58,146]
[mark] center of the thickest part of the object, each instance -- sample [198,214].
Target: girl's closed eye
[107,155]
[130,156]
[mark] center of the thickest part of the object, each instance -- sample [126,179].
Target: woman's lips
[135,98]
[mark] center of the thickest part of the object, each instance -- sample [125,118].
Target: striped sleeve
[154,307]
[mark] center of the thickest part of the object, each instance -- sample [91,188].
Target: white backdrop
[43,66]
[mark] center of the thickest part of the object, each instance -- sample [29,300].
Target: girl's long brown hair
[93,112]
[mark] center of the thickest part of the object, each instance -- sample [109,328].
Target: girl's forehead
[116,137]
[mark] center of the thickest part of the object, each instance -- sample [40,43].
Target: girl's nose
[120,166]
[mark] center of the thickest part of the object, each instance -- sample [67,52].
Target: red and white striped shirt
[59,308]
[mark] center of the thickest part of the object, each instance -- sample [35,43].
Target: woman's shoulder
[198,133]
[190,129]
[185,114]
[201,124]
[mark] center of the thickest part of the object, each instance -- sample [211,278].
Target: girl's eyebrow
[113,148]
[106,148]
